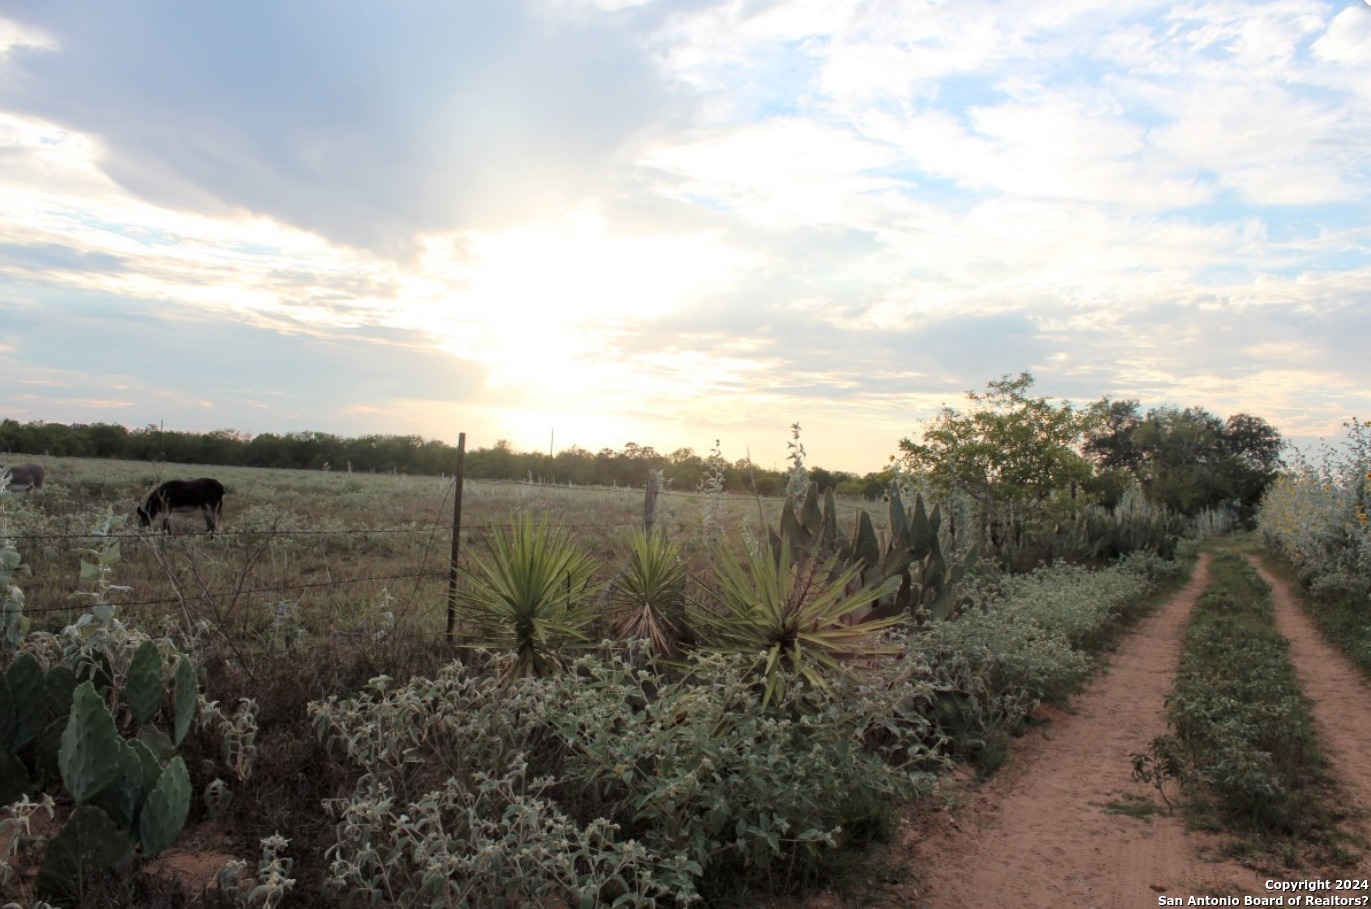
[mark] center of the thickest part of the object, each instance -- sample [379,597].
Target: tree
[1013,449]
[1181,451]
[1188,460]
[1109,437]
[1251,461]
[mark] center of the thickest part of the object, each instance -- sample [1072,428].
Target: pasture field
[314,554]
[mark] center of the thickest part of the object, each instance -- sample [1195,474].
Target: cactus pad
[143,689]
[89,756]
[27,690]
[186,699]
[164,812]
[89,841]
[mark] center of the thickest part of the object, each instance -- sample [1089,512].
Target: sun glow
[540,304]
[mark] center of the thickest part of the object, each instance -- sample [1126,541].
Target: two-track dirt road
[1041,833]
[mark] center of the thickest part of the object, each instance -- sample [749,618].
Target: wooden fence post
[457,478]
[654,486]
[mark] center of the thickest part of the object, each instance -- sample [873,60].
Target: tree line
[1009,450]
[409,454]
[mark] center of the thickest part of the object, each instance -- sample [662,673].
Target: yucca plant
[648,597]
[799,616]
[532,596]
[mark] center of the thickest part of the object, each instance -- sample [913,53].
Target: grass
[1134,805]
[1242,739]
[316,583]
[310,554]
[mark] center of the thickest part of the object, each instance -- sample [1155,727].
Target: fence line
[653,490]
[247,591]
[149,535]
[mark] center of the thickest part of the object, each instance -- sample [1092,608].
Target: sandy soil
[1040,833]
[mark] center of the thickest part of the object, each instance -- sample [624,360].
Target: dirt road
[1340,695]
[1047,831]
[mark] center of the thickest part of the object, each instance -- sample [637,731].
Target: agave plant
[532,597]
[798,615]
[648,597]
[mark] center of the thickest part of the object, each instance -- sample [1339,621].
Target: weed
[1135,806]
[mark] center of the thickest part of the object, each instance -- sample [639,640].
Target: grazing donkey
[203,495]
[26,478]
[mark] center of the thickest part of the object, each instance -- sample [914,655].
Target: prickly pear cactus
[14,778]
[89,757]
[120,799]
[25,686]
[142,692]
[89,841]
[866,547]
[60,686]
[912,552]
[185,699]
[810,528]
[164,812]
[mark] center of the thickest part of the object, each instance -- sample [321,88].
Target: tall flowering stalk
[799,474]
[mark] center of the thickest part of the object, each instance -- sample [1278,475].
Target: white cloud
[15,37]
[614,213]
[1348,37]
[363,124]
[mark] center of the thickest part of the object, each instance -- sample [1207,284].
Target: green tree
[1012,451]
[1187,460]
[1109,438]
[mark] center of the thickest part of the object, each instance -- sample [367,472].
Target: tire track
[1339,696]
[1041,834]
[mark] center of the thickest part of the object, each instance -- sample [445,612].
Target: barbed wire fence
[430,608]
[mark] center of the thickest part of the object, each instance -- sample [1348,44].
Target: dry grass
[308,554]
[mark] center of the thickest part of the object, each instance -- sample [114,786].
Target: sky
[680,222]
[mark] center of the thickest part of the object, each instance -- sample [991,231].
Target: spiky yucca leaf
[798,615]
[531,596]
[649,595]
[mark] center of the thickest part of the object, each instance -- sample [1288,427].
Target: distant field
[320,553]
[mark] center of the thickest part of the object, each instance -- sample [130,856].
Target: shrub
[1024,639]
[799,616]
[648,596]
[689,782]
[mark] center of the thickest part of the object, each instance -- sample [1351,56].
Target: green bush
[531,596]
[1024,639]
[689,782]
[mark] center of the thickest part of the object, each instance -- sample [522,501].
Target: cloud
[181,363]
[683,215]
[365,123]
[1348,37]
[44,257]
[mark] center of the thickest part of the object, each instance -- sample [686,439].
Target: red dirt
[1039,833]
